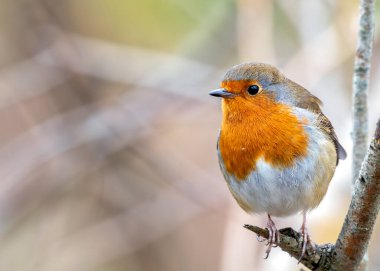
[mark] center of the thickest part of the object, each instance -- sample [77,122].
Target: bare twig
[291,242]
[361,84]
[353,240]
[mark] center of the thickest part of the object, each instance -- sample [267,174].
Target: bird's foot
[273,238]
[306,240]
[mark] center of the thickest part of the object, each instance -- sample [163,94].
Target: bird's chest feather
[270,132]
[281,178]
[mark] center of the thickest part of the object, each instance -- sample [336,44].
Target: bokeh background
[108,135]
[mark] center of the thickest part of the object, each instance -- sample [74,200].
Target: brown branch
[360,86]
[353,240]
[291,242]
[357,228]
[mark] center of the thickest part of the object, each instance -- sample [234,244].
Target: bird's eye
[253,89]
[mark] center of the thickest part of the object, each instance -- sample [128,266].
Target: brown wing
[328,129]
[304,99]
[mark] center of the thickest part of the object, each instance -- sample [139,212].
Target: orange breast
[259,128]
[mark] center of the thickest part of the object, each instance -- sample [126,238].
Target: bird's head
[250,84]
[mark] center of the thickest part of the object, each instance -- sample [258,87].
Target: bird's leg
[274,236]
[305,237]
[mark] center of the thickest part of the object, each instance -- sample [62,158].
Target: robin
[277,150]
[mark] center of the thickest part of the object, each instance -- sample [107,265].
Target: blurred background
[108,135]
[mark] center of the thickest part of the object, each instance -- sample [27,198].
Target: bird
[276,149]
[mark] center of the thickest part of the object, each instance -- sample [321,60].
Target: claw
[306,240]
[267,251]
[273,238]
[277,239]
[260,239]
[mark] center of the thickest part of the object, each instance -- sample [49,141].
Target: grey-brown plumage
[304,99]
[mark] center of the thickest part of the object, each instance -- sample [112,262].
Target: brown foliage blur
[107,138]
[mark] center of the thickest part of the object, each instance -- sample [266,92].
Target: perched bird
[277,150]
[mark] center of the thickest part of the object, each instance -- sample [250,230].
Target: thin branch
[291,242]
[353,240]
[361,84]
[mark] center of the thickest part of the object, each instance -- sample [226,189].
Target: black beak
[221,92]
